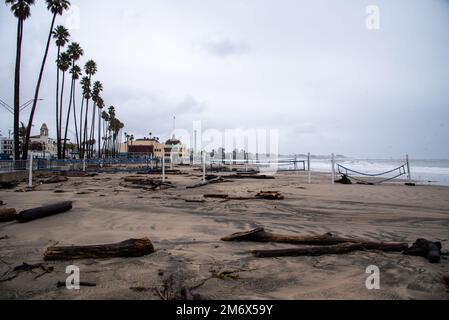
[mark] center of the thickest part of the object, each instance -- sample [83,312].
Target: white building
[6,147]
[42,145]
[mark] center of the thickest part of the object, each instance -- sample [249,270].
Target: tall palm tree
[100,105]
[90,68]
[63,65]
[61,36]
[105,117]
[75,51]
[56,7]
[85,84]
[96,91]
[75,71]
[22,11]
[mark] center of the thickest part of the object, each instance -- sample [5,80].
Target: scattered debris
[146,183]
[140,289]
[54,179]
[25,267]
[195,200]
[8,215]
[344,180]
[410,184]
[8,184]
[4,238]
[427,249]
[62,284]
[446,280]
[270,195]
[1,203]
[125,249]
[250,176]
[42,212]
[80,174]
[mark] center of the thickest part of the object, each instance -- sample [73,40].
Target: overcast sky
[311,69]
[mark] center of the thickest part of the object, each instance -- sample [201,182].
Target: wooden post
[30,176]
[231,160]
[163,166]
[333,168]
[308,168]
[409,174]
[204,166]
[84,163]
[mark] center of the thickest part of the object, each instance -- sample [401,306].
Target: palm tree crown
[57,6]
[75,51]
[75,72]
[61,35]
[90,67]
[64,61]
[20,8]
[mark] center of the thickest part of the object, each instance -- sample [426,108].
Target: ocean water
[432,172]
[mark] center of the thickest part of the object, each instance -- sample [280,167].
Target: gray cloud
[225,47]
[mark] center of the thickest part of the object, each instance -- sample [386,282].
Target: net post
[333,168]
[84,163]
[30,175]
[409,174]
[204,166]
[308,168]
[163,166]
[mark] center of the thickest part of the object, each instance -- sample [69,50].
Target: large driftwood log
[260,235]
[334,249]
[7,215]
[42,212]
[125,249]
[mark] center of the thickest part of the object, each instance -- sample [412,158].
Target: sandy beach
[186,236]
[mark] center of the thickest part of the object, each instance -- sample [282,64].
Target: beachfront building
[142,148]
[6,148]
[175,150]
[42,145]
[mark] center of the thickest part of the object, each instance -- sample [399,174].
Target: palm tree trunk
[17,91]
[99,133]
[58,137]
[81,129]
[67,122]
[85,127]
[92,132]
[60,113]
[36,95]
[74,114]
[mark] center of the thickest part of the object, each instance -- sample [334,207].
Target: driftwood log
[207,182]
[55,179]
[270,195]
[7,215]
[426,249]
[260,235]
[334,249]
[42,212]
[125,249]
[250,176]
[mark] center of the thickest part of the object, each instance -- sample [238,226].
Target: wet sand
[187,238]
